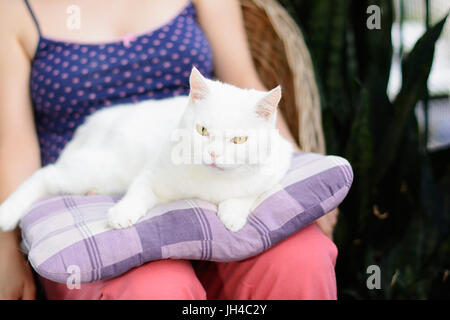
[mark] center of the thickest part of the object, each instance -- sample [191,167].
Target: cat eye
[202,130]
[239,140]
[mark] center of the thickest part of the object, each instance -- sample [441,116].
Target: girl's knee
[158,280]
[308,248]
[301,266]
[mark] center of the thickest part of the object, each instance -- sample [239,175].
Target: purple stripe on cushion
[89,241]
[159,231]
[53,205]
[56,267]
[263,230]
[208,233]
[349,174]
[191,250]
[94,212]
[86,240]
[43,209]
[51,234]
[108,242]
[315,189]
[299,221]
[263,226]
[254,224]
[121,267]
[127,239]
[277,209]
[202,224]
[232,246]
[327,202]
[330,203]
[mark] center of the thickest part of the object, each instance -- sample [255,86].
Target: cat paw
[121,216]
[232,214]
[9,217]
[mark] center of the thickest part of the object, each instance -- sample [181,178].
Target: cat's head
[229,127]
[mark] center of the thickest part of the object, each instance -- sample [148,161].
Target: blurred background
[386,108]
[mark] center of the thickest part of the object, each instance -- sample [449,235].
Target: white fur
[128,148]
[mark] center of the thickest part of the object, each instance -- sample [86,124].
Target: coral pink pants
[300,267]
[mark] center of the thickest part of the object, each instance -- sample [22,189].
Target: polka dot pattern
[69,81]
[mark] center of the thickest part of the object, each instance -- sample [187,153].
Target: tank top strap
[33,16]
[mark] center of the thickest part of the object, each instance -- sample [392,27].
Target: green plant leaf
[416,69]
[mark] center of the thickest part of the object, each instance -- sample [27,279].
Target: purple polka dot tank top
[69,81]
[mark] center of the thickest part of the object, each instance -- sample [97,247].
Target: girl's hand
[327,223]
[16,278]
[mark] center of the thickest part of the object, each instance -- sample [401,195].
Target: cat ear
[198,86]
[268,105]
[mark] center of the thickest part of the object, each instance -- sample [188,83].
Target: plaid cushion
[64,231]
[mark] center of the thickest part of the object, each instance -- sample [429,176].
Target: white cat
[132,149]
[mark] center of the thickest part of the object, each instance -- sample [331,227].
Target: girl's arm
[19,150]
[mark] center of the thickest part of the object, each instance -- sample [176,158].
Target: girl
[53,74]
